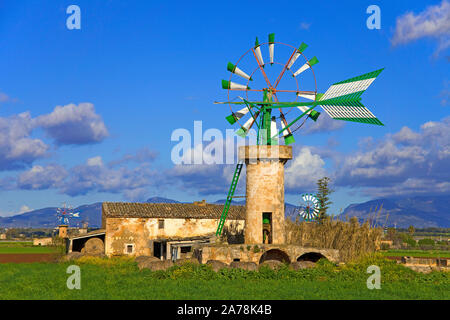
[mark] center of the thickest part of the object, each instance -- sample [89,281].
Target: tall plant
[323,195]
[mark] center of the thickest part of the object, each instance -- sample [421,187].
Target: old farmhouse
[163,230]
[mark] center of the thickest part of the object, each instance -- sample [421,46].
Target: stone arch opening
[311,256]
[275,254]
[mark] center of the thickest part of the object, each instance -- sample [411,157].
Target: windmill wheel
[286,74]
[309,207]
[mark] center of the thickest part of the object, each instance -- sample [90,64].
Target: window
[267,227]
[185,249]
[129,248]
[161,224]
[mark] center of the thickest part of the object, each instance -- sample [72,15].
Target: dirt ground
[26,257]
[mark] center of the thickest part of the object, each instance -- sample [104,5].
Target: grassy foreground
[121,279]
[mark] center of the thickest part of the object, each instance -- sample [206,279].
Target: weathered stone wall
[42,241]
[141,231]
[265,190]
[253,253]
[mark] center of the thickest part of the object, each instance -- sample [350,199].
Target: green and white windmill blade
[296,119]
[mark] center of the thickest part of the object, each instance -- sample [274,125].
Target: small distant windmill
[342,100]
[309,207]
[65,213]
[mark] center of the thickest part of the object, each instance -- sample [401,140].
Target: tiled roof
[169,210]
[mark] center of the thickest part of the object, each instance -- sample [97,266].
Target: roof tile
[169,210]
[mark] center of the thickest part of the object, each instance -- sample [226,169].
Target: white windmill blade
[239,114]
[287,134]
[274,131]
[235,116]
[310,96]
[235,69]
[297,54]
[242,132]
[258,53]
[271,46]
[233,85]
[306,66]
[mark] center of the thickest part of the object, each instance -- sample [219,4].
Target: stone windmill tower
[265,161]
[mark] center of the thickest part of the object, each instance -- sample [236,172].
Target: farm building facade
[163,230]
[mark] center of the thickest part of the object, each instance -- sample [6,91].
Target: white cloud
[17,148]
[433,22]
[144,155]
[72,124]
[3,97]
[69,124]
[403,163]
[24,209]
[303,171]
[95,176]
[42,177]
[323,124]
[304,26]
[95,161]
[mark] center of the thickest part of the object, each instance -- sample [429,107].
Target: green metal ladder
[226,207]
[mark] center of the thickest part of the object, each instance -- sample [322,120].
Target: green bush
[426,242]
[411,242]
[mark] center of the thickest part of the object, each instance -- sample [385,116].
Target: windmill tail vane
[342,100]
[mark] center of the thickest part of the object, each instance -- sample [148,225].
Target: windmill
[65,213]
[277,98]
[309,207]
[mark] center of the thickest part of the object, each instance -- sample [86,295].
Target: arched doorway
[275,254]
[311,256]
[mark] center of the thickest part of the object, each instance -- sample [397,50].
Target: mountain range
[421,212]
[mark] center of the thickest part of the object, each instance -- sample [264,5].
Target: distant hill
[421,211]
[235,202]
[46,217]
[161,200]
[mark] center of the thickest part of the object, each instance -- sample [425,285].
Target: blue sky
[136,71]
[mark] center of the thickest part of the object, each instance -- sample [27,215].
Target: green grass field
[23,247]
[121,279]
[15,243]
[416,253]
[20,250]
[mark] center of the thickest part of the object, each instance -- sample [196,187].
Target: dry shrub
[352,239]
[106,262]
